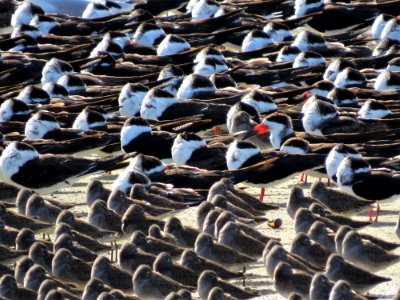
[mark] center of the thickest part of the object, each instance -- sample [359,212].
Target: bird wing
[49,170]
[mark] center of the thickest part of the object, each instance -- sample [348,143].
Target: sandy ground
[258,278]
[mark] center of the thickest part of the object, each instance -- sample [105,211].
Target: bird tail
[110,163]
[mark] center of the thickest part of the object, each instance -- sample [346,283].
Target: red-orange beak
[257,130]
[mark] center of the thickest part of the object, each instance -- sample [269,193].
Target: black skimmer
[321,117]
[354,176]
[54,69]
[14,110]
[190,149]
[172,44]
[204,9]
[243,154]
[20,164]
[137,135]
[387,80]
[25,13]
[130,99]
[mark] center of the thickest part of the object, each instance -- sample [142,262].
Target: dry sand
[258,278]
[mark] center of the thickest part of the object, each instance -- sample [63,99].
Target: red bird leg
[217,130]
[262,193]
[371,211]
[302,177]
[328,183]
[378,210]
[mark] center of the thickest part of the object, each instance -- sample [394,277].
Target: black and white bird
[355,176]
[137,135]
[22,166]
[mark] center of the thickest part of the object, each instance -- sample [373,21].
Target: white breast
[236,157]
[129,133]
[182,150]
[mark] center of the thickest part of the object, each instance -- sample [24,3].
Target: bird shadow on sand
[383,223]
[388,212]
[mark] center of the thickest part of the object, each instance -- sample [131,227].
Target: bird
[231,236]
[210,221]
[287,281]
[343,230]
[22,266]
[135,218]
[355,177]
[18,221]
[165,266]
[277,254]
[365,254]
[10,290]
[359,280]
[34,277]
[93,288]
[226,256]
[151,285]
[340,219]
[104,218]
[319,233]
[226,188]
[26,238]
[342,289]
[68,268]
[110,274]
[221,202]
[304,219]
[139,191]
[338,201]
[297,200]
[40,255]
[24,195]
[130,258]
[94,191]
[156,232]
[8,235]
[199,264]
[37,207]
[22,166]
[243,154]
[82,239]
[309,250]
[220,188]
[185,236]
[209,279]
[190,149]
[66,241]
[227,216]
[320,287]
[137,136]
[119,202]
[201,213]
[154,246]
[48,285]
[216,293]
[69,218]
